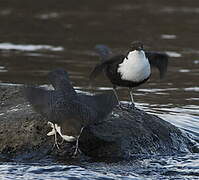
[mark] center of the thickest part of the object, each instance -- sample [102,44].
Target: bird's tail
[103,51]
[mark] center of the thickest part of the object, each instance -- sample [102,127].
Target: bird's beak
[139,48]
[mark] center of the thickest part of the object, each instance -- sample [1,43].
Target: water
[176,167]
[36,37]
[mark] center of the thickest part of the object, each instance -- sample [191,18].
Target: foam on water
[173,54]
[168,36]
[29,47]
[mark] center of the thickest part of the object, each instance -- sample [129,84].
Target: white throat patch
[135,67]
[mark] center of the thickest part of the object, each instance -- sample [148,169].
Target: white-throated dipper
[69,112]
[129,70]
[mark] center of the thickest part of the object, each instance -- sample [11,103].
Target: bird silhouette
[131,69]
[67,111]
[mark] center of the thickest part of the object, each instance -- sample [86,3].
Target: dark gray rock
[133,132]
[121,135]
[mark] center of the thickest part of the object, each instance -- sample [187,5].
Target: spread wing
[103,51]
[51,104]
[158,60]
[103,103]
[40,99]
[86,108]
[105,64]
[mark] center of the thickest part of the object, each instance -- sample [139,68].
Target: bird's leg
[56,143]
[115,92]
[77,143]
[61,142]
[131,96]
[53,132]
[119,103]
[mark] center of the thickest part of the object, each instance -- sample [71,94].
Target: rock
[121,135]
[22,130]
[133,132]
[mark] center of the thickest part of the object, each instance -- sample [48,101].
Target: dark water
[38,36]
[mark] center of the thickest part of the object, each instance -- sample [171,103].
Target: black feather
[97,70]
[102,103]
[110,65]
[103,51]
[64,105]
[39,98]
[158,60]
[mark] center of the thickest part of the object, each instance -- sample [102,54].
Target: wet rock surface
[123,134]
[134,132]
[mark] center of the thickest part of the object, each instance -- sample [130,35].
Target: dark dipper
[69,112]
[129,70]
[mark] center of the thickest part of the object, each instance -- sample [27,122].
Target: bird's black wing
[111,62]
[40,99]
[102,104]
[158,60]
[49,103]
[103,51]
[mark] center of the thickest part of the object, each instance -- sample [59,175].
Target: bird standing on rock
[129,70]
[68,112]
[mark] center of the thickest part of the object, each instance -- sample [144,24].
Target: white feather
[135,67]
[53,129]
[65,137]
[58,129]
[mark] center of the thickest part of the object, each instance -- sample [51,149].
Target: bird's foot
[60,143]
[131,105]
[77,144]
[122,106]
[76,152]
[56,145]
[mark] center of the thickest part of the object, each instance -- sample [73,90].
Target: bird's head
[58,76]
[136,48]
[136,45]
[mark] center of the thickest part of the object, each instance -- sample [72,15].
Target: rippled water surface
[36,37]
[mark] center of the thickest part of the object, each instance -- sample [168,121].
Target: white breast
[135,67]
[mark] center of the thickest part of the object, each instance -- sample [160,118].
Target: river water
[39,36]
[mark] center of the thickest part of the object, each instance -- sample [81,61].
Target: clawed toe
[77,151]
[126,106]
[131,106]
[56,145]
